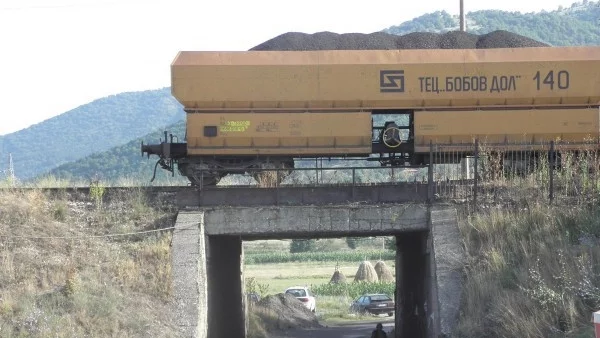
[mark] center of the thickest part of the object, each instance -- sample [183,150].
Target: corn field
[353,290]
[334,256]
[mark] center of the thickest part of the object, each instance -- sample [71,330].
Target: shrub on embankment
[531,272]
[74,267]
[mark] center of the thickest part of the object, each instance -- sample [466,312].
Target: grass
[50,181]
[57,280]
[535,268]
[335,310]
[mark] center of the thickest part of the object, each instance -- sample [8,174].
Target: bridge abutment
[190,289]
[208,280]
[448,262]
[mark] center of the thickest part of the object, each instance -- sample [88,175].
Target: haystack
[338,277]
[383,272]
[366,273]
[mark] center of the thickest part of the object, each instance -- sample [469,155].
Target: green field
[276,277]
[280,276]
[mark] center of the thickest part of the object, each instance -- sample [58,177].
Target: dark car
[373,303]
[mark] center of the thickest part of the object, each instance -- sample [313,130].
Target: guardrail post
[277,187]
[317,170]
[353,184]
[475,173]
[552,158]
[430,174]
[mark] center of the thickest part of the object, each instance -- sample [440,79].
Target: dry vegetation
[532,268]
[64,274]
[531,272]
[279,312]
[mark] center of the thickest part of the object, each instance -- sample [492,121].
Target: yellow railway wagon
[512,128]
[398,79]
[262,109]
[292,134]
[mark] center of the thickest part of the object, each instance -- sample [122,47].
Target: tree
[302,245]
[352,242]
[390,243]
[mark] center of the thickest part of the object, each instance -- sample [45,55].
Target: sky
[56,55]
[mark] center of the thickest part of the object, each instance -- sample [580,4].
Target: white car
[303,294]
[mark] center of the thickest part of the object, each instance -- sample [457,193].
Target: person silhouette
[378,332]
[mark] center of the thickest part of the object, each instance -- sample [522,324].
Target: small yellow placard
[234,126]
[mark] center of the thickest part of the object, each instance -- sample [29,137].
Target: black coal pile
[385,41]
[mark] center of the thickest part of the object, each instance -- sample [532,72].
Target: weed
[252,286]
[61,211]
[530,271]
[97,192]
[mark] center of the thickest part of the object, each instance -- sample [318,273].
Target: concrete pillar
[432,310]
[226,300]
[413,294]
[189,275]
[449,259]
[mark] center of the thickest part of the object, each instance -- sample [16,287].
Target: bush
[352,242]
[390,243]
[532,272]
[302,245]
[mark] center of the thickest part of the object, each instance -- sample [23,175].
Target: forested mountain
[94,128]
[91,128]
[577,25]
[124,162]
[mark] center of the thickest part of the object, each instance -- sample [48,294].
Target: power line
[76,5]
[100,236]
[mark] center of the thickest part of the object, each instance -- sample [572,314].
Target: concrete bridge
[207,249]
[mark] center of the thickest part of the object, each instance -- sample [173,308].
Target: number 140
[561,79]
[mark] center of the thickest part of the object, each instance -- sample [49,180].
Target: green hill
[122,163]
[574,26]
[91,128]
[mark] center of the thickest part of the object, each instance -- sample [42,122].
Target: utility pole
[11,170]
[463,22]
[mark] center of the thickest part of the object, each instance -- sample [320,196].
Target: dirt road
[362,330]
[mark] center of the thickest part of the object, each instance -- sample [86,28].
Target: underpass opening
[210,247]
[271,265]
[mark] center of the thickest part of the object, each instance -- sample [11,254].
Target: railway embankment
[72,265]
[531,270]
